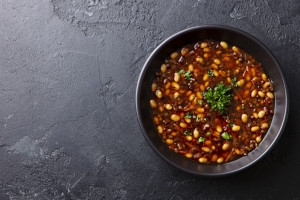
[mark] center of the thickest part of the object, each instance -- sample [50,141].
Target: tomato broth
[212,102]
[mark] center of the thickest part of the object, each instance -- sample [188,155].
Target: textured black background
[68,73]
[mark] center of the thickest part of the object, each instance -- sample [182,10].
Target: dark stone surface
[68,72]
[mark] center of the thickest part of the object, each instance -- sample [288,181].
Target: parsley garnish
[226,136]
[231,124]
[196,117]
[210,73]
[234,82]
[200,102]
[188,75]
[204,119]
[181,72]
[208,133]
[243,107]
[201,139]
[219,98]
[187,133]
[187,115]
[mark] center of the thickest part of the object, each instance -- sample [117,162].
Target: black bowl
[234,37]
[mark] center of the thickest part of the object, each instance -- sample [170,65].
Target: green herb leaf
[208,133]
[234,82]
[226,136]
[196,117]
[200,102]
[181,72]
[201,139]
[243,107]
[219,98]
[204,119]
[210,73]
[188,115]
[188,75]
[231,124]
[187,133]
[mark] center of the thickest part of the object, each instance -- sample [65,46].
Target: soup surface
[212,102]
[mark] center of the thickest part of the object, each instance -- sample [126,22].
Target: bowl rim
[227,28]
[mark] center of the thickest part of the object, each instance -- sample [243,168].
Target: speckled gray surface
[68,72]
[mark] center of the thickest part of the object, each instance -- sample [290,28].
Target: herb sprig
[234,82]
[187,133]
[188,115]
[196,117]
[187,75]
[219,97]
[226,136]
[181,72]
[210,73]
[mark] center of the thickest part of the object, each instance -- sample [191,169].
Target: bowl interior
[234,37]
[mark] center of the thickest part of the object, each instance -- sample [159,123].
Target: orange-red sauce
[185,120]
